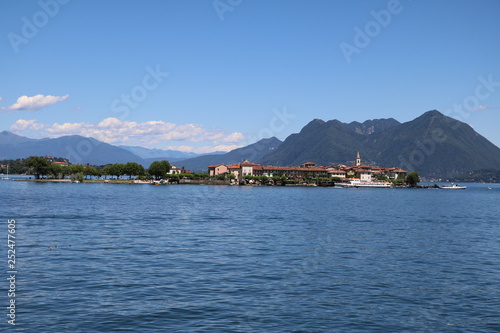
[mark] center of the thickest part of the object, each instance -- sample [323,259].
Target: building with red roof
[306,170]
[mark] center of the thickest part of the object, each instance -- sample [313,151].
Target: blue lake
[186,258]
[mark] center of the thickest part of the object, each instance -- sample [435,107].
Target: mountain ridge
[82,150]
[433,144]
[155,153]
[252,152]
[76,148]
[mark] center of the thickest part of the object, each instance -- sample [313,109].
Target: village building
[336,172]
[219,169]
[235,170]
[174,170]
[246,168]
[395,173]
[363,172]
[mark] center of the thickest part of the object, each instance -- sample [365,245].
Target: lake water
[186,258]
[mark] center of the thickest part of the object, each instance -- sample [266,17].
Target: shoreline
[215,182]
[196,182]
[97,181]
[127,181]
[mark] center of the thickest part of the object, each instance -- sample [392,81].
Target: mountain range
[77,149]
[433,144]
[254,152]
[146,153]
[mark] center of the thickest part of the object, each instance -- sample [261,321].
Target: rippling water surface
[143,258]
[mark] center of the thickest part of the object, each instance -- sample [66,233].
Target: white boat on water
[453,187]
[6,178]
[357,183]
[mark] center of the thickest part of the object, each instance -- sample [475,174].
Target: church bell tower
[358,159]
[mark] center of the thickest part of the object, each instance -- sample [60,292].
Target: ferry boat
[356,183]
[453,187]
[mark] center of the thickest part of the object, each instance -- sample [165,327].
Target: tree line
[45,167]
[41,167]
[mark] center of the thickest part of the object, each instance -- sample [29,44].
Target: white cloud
[1,98]
[148,134]
[209,149]
[26,125]
[35,103]
[204,149]
[233,137]
[185,149]
[484,107]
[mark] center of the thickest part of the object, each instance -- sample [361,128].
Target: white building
[174,170]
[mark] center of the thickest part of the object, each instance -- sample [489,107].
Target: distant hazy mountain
[253,152]
[432,144]
[10,139]
[77,149]
[171,155]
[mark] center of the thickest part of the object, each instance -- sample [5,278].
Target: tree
[106,170]
[174,178]
[76,168]
[55,170]
[413,179]
[133,169]
[116,170]
[89,171]
[263,179]
[159,169]
[97,172]
[39,165]
[77,176]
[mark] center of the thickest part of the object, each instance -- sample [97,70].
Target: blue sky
[214,75]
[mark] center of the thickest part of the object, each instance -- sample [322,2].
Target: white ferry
[355,182]
[453,187]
